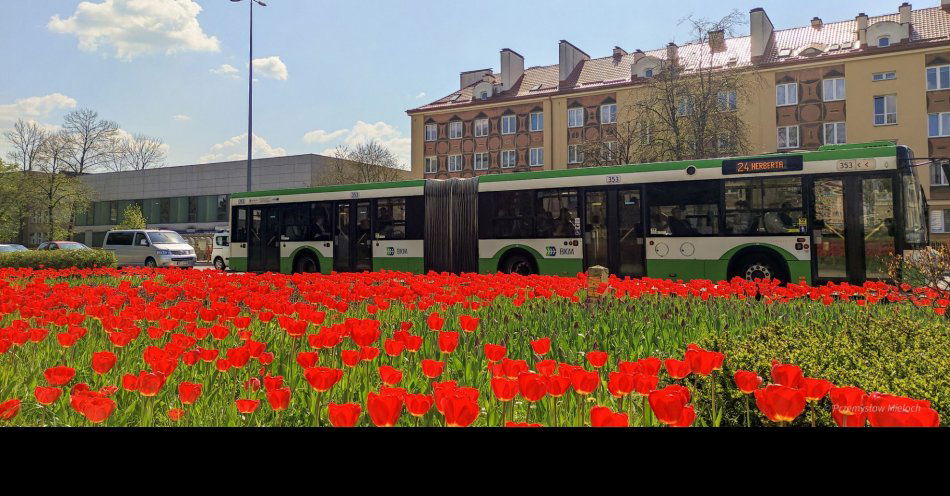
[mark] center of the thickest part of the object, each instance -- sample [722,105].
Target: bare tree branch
[367,162]
[27,139]
[90,138]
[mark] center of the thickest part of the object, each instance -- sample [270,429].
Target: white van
[150,248]
[221,251]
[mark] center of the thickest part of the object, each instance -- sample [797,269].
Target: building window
[938,124]
[835,133]
[786,94]
[575,154]
[455,129]
[788,137]
[939,221]
[938,77]
[727,100]
[684,106]
[508,159]
[937,177]
[575,117]
[536,157]
[884,41]
[509,124]
[481,127]
[455,163]
[609,151]
[483,95]
[431,132]
[537,121]
[432,165]
[646,132]
[884,76]
[480,161]
[832,89]
[885,110]
[608,113]
[648,73]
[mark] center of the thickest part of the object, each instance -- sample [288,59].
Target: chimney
[471,77]
[904,10]
[638,54]
[945,4]
[619,53]
[569,56]
[760,32]
[512,67]
[717,40]
[671,52]
[816,22]
[861,20]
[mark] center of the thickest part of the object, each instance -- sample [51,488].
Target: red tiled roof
[833,39]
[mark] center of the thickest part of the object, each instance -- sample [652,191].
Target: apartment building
[868,78]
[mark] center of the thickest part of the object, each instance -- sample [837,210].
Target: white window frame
[943,124]
[453,127]
[434,135]
[456,159]
[886,122]
[504,159]
[786,94]
[575,154]
[941,77]
[509,124]
[575,117]
[727,101]
[646,133]
[536,118]
[935,215]
[608,150]
[835,85]
[608,113]
[480,161]
[884,76]
[684,106]
[536,157]
[835,127]
[937,178]
[788,142]
[434,162]
[481,127]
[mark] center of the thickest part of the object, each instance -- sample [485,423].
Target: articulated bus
[835,214]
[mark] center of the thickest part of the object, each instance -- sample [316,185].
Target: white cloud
[137,27]
[226,70]
[422,94]
[182,117]
[35,107]
[236,149]
[362,132]
[271,67]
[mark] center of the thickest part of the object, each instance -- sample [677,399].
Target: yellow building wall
[558,137]
[416,160]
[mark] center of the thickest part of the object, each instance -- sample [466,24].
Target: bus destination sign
[757,165]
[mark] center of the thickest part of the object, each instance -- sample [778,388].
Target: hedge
[58,259]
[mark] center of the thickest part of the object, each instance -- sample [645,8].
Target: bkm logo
[390,251]
[552,251]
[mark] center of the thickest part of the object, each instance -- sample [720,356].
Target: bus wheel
[306,264]
[519,264]
[219,263]
[759,266]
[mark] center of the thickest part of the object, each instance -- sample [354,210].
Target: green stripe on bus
[416,265]
[238,264]
[332,189]
[548,266]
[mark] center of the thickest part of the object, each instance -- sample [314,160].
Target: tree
[367,162]
[27,138]
[683,111]
[91,140]
[132,218]
[14,194]
[138,152]
[60,192]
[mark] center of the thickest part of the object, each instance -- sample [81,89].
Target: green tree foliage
[132,218]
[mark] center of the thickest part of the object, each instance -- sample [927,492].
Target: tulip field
[165,348]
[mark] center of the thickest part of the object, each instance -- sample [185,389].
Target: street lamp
[250,86]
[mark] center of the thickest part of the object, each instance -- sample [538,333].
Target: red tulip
[546,367]
[780,403]
[97,408]
[418,404]
[448,341]
[521,424]
[597,358]
[703,362]
[389,375]
[175,414]
[150,384]
[246,406]
[541,346]
[885,410]
[619,384]
[494,352]
[532,386]
[557,385]
[747,381]
[585,382]
[322,378]
[394,348]
[273,382]
[644,383]
[513,368]
[787,375]
[505,389]
[188,392]
[47,395]
[344,415]
[848,406]
[601,416]
[815,389]
[351,358]
[678,369]
[686,420]
[307,359]
[670,403]
[384,410]
[432,368]
[59,375]
[279,399]
[9,409]
[435,322]
[103,361]
[460,409]
[468,323]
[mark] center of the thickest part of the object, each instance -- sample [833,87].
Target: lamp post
[250,85]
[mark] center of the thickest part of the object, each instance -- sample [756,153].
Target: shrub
[58,259]
[894,354]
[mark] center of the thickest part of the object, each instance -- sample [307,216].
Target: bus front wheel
[306,264]
[219,263]
[519,263]
[760,266]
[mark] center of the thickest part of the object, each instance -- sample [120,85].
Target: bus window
[415,217]
[506,214]
[764,206]
[391,218]
[556,214]
[320,217]
[915,231]
[684,209]
[295,222]
[239,229]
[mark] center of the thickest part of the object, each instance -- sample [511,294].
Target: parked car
[12,248]
[221,251]
[62,245]
[150,248]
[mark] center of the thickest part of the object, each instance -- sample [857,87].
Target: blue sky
[332,71]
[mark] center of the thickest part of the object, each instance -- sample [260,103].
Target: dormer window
[483,95]
[648,73]
[884,41]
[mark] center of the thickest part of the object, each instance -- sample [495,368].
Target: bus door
[353,236]
[854,228]
[613,231]
[263,243]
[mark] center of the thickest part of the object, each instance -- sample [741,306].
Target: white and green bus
[835,214]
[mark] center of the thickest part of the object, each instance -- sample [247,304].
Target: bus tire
[760,265]
[518,262]
[150,263]
[306,263]
[219,264]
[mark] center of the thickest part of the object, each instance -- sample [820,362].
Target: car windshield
[72,246]
[166,238]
